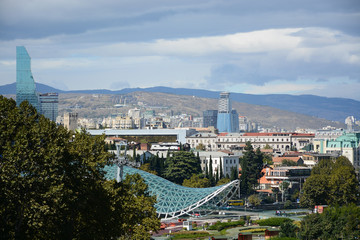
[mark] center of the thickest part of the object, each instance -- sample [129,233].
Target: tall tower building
[224,103]
[49,105]
[227,118]
[25,84]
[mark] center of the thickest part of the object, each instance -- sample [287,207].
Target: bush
[220,226]
[189,234]
[273,221]
[287,204]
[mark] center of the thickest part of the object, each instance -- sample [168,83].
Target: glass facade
[25,84]
[227,119]
[49,105]
[210,118]
[46,104]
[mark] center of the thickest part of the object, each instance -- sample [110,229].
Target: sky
[256,46]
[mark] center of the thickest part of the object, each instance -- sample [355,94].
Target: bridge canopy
[174,200]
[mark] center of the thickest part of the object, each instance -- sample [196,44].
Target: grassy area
[254,230]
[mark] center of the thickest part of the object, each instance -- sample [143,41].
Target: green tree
[200,147]
[267,146]
[53,185]
[181,166]
[335,223]
[287,162]
[283,186]
[288,229]
[196,181]
[331,183]
[251,167]
[223,181]
[221,170]
[254,200]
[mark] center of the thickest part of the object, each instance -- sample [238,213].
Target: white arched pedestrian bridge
[174,200]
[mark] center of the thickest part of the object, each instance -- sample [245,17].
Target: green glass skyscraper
[25,84]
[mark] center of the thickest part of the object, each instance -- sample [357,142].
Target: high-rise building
[227,118]
[49,105]
[224,102]
[210,118]
[25,84]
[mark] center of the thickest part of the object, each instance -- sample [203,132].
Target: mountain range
[335,109]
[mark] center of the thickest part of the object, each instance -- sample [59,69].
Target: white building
[219,158]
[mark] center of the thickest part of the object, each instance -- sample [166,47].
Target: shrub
[220,226]
[272,221]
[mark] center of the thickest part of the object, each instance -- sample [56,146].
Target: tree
[182,165]
[283,186]
[335,223]
[331,183]
[254,200]
[267,146]
[251,167]
[50,178]
[221,170]
[200,147]
[276,192]
[196,181]
[223,181]
[287,162]
[288,229]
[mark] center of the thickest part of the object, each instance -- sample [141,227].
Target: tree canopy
[331,183]
[251,166]
[335,223]
[180,166]
[53,185]
[197,181]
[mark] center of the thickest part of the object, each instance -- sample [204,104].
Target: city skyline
[237,46]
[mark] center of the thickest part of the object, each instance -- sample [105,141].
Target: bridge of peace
[174,200]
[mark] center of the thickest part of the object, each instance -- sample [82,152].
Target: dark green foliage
[335,223]
[234,174]
[251,166]
[197,181]
[288,229]
[220,226]
[331,183]
[274,221]
[182,165]
[52,183]
[221,170]
[287,162]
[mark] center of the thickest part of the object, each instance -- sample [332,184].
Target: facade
[227,119]
[294,175]
[71,121]
[347,145]
[46,104]
[25,84]
[49,105]
[210,118]
[208,140]
[236,141]
[226,161]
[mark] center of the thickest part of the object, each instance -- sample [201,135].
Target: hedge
[220,226]
[274,221]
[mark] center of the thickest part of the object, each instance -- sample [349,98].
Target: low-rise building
[225,159]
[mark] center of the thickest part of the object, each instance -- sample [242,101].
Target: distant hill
[335,109]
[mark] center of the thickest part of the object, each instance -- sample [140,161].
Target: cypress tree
[221,170]
[211,172]
[217,175]
[206,169]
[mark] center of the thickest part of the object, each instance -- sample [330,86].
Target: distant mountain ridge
[335,109]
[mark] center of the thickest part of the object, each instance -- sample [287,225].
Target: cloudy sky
[258,47]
